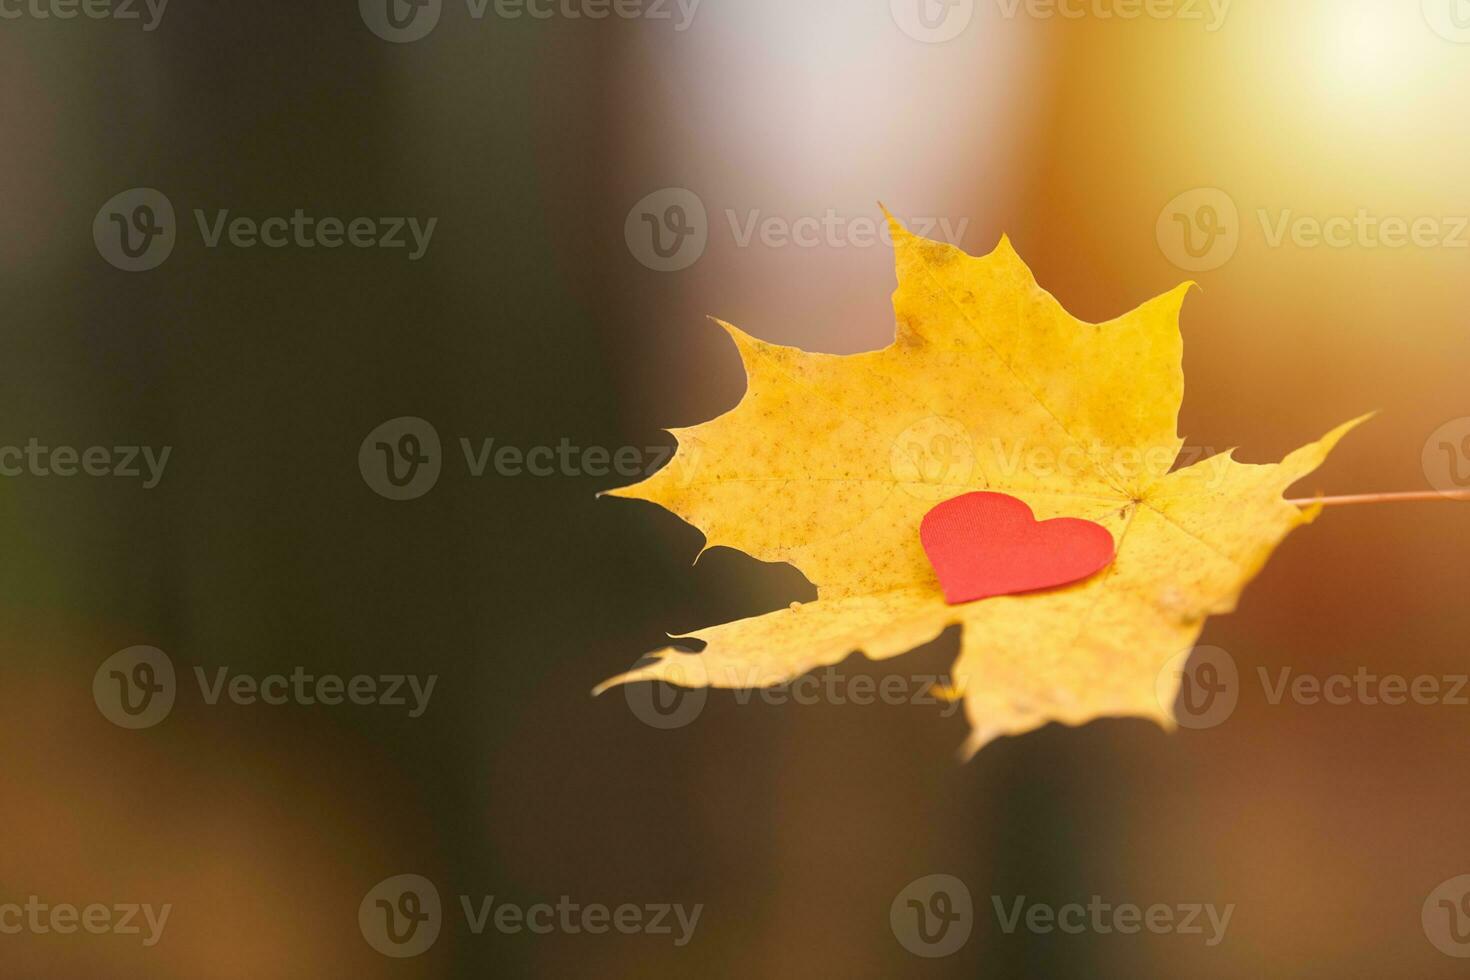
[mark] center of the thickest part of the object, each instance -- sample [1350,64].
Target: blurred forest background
[529,320]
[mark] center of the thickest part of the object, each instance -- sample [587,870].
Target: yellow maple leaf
[830,462]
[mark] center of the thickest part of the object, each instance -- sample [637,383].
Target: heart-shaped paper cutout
[988,544]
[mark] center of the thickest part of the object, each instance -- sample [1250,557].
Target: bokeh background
[531,320]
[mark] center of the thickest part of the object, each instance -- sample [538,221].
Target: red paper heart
[989,544]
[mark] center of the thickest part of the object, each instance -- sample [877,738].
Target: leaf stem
[1381,498]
